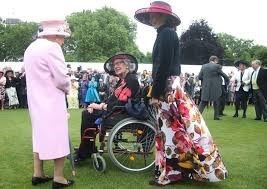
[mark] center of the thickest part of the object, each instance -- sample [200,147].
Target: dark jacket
[125,89]
[262,81]
[211,81]
[11,82]
[165,57]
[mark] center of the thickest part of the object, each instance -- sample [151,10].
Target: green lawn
[242,143]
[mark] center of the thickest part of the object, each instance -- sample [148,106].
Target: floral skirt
[184,146]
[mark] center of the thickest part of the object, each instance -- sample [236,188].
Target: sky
[243,19]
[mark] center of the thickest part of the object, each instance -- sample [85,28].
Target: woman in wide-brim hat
[241,62]
[2,88]
[131,61]
[241,81]
[124,66]
[143,15]
[184,146]
[10,88]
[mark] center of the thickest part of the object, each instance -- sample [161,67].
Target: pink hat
[55,27]
[142,15]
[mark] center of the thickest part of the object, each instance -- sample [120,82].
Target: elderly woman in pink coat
[47,86]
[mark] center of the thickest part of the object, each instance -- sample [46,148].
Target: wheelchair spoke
[134,141]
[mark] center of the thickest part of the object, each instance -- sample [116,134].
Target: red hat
[142,15]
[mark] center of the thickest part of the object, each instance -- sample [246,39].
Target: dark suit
[211,82]
[260,95]
[102,88]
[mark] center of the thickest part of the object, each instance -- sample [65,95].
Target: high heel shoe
[58,185]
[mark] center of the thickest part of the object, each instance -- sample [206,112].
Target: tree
[235,48]
[260,52]
[147,58]
[14,39]
[99,35]
[198,43]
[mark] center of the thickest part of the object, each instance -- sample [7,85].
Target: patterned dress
[184,146]
[2,87]
[72,98]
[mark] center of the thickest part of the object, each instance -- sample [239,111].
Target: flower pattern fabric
[184,146]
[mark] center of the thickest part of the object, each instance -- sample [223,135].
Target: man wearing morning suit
[211,81]
[259,87]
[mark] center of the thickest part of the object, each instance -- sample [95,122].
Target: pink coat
[47,85]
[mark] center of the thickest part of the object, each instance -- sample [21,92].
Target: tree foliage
[260,52]
[198,43]
[236,48]
[14,39]
[100,34]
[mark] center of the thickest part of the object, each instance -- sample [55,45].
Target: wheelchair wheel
[131,145]
[99,163]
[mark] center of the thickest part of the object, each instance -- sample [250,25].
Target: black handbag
[137,109]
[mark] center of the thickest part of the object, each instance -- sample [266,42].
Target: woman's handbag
[137,109]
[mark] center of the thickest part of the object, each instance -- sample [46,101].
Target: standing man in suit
[102,90]
[242,85]
[222,98]
[211,81]
[259,87]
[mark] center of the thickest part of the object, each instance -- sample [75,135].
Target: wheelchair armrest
[114,108]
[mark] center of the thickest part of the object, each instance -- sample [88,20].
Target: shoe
[265,120]
[57,185]
[236,115]
[217,118]
[244,116]
[222,114]
[40,180]
[155,183]
[257,118]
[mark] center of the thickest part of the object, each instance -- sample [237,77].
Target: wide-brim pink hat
[54,27]
[142,15]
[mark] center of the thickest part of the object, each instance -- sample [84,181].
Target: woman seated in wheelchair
[123,66]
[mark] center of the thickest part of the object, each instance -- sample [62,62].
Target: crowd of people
[91,86]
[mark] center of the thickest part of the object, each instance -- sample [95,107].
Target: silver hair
[127,62]
[258,62]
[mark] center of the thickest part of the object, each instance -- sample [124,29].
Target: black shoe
[265,120]
[236,115]
[40,180]
[57,185]
[257,118]
[244,116]
[217,118]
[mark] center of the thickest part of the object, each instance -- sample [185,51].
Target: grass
[242,143]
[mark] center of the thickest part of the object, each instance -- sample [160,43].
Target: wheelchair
[129,142]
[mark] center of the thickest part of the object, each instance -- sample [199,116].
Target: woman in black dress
[184,146]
